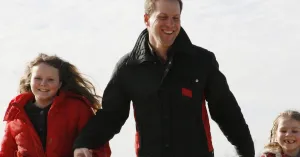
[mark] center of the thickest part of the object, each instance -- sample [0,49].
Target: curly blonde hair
[71,79]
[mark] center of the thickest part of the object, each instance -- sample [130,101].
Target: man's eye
[176,18]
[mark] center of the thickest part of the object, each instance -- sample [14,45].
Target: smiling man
[168,79]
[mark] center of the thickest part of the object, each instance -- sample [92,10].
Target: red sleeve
[85,114]
[8,145]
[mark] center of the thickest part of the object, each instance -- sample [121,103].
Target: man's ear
[146,19]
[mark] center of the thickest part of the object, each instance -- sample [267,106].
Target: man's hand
[83,152]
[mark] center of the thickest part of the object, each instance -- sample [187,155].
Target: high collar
[17,104]
[142,53]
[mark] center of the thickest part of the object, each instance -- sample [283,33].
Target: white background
[256,43]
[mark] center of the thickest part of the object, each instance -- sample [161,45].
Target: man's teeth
[168,32]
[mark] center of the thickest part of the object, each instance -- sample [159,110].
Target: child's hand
[83,152]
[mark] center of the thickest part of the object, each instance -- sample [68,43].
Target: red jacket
[66,117]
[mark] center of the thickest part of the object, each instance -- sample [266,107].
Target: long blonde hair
[71,78]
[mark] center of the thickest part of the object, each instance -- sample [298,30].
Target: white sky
[255,42]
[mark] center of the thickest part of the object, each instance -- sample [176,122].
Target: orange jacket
[67,116]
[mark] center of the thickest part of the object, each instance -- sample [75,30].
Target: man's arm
[225,111]
[108,121]
[85,112]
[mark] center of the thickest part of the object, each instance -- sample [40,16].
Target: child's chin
[43,98]
[291,148]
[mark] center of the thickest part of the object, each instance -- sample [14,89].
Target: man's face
[164,23]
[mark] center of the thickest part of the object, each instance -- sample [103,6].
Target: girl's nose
[288,133]
[43,82]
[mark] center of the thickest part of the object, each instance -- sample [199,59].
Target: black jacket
[169,103]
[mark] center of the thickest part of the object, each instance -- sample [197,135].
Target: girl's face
[44,83]
[288,135]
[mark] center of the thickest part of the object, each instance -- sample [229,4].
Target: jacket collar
[22,99]
[17,104]
[142,53]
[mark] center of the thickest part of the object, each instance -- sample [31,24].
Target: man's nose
[171,22]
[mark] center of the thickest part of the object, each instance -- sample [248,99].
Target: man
[168,80]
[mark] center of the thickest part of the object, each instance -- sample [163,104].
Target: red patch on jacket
[187,92]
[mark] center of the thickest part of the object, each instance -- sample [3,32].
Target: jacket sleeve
[225,111]
[109,120]
[8,145]
[85,113]
[103,151]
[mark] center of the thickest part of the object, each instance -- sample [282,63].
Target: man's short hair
[150,6]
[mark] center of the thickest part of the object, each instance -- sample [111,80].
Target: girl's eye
[37,78]
[283,131]
[295,131]
[162,17]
